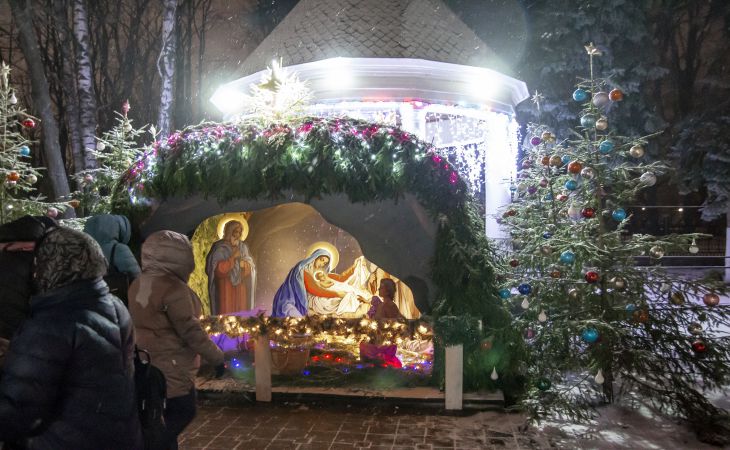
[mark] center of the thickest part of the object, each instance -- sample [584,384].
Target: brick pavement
[337,425]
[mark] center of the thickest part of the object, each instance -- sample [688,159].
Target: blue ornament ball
[571,185]
[590,335]
[548,197]
[566,159]
[605,147]
[524,289]
[24,150]
[579,95]
[630,308]
[567,257]
[547,235]
[505,293]
[618,214]
[588,121]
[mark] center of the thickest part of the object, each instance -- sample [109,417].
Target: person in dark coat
[114,232]
[17,242]
[68,381]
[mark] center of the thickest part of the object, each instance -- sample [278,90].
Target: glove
[220,369]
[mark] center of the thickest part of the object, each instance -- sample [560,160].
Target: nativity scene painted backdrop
[287,261]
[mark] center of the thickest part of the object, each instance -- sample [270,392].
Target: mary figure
[291,297]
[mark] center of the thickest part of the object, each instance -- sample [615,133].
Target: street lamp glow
[228,99]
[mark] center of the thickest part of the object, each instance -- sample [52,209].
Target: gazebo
[412,63]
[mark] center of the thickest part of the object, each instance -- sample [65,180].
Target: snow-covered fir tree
[599,315]
[115,152]
[19,193]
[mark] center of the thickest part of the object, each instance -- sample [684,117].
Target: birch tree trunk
[85,79]
[22,12]
[166,67]
[727,248]
[69,82]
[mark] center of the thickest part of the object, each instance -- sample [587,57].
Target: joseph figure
[231,272]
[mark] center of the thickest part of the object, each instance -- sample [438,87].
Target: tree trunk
[727,248]
[166,67]
[23,15]
[69,83]
[85,77]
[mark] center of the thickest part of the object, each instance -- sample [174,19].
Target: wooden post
[263,369]
[454,376]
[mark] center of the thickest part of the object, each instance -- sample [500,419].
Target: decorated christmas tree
[19,194]
[115,152]
[600,316]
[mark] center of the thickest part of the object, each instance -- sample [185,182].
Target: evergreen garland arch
[367,162]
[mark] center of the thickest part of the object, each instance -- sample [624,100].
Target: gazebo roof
[417,29]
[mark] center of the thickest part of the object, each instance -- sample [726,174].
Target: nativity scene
[284,263]
[312,287]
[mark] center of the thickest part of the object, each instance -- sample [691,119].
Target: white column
[454,372]
[262,370]
[500,167]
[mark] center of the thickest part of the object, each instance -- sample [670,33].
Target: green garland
[315,157]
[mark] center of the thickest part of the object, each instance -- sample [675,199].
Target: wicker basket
[288,361]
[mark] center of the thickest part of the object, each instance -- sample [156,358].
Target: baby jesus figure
[353,298]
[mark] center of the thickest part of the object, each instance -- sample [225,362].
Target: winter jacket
[165,312]
[16,271]
[68,379]
[109,230]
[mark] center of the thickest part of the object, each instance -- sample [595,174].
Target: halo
[330,248]
[233,216]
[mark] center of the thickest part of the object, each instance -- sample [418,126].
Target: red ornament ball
[13,176]
[28,123]
[699,346]
[562,197]
[575,167]
[641,316]
[592,276]
[545,160]
[616,95]
[711,299]
[514,263]
[588,212]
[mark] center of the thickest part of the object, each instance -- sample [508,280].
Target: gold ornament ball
[602,124]
[618,283]
[74,203]
[677,298]
[711,299]
[556,161]
[656,252]
[695,328]
[546,250]
[637,151]
[574,294]
[32,179]
[548,137]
